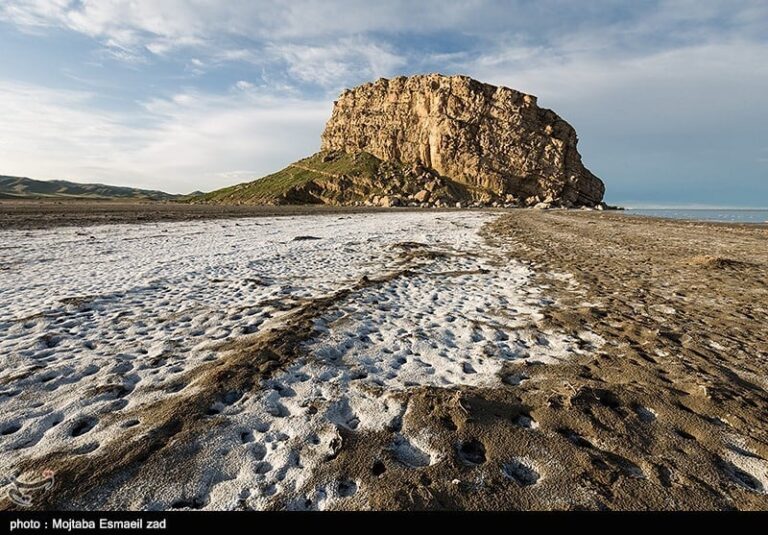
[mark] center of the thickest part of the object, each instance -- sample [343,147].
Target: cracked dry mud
[534,360]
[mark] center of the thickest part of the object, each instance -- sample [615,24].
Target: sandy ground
[408,360]
[39,214]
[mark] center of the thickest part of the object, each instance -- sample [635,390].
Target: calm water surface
[726,216]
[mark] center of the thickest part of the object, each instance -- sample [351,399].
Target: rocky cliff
[487,137]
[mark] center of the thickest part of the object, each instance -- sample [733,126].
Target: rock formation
[433,141]
[491,138]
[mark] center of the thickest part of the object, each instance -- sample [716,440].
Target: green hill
[12,187]
[339,178]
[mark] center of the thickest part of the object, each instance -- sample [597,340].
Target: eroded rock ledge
[494,138]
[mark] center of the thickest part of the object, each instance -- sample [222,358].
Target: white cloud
[129,23]
[242,85]
[298,38]
[676,87]
[333,43]
[675,90]
[332,64]
[187,142]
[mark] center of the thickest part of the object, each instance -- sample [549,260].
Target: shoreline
[46,214]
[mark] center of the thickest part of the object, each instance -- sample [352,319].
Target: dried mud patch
[721,263]
[652,411]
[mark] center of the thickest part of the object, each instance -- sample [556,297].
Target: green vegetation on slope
[12,187]
[318,167]
[340,178]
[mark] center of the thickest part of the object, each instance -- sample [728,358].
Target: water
[723,216]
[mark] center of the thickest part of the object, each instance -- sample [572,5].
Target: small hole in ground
[378,468]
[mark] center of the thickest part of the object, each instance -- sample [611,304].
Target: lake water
[725,216]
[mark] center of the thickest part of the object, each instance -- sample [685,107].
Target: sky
[669,98]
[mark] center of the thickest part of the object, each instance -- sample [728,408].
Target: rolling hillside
[338,178]
[12,187]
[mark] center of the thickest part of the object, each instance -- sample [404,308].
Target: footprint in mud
[526,421]
[262,468]
[357,374]
[684,434]
[87,448]
[378,468]
[409,454]
[746,468]
[515,379]
[269,489]
[645,414]
[335,444]
[341,414]
[278,410]
[346,488]
[283,391]
[175,387]
[194,503]
[232,397]
[48,376]
[215,409]
[120,368]
[448,423]
[622,464]
[522,471]
[10,429]
[116,405]
[603,459]
[666,476]
[10,393]
[89,370]
[49,340]
[258,450]
[53,420]
[83,426]
[301,377]
[575,438]
[744,452]
[471,452]
[744,478]
[590,397]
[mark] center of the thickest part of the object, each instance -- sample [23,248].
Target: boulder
[389,201]
[422,196]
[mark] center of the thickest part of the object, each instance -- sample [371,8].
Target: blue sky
[670,98]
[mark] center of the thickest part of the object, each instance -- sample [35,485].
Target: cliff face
[477,134]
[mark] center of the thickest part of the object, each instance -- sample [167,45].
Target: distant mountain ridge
[13,187]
